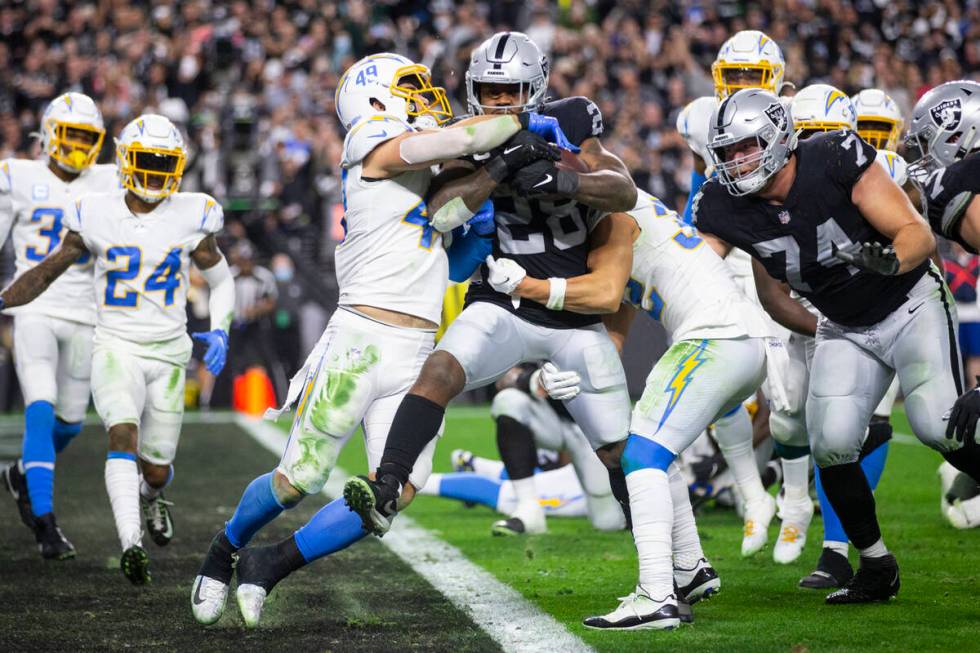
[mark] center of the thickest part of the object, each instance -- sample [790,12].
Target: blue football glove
[482,221]
[548,128]
[217,340]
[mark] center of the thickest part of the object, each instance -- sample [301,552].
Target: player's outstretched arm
[35,281]
[221,304]
[886,206]
[601,290]
[777,301]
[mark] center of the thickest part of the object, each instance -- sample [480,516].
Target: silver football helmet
[508,58]
[944,126]
[755,115]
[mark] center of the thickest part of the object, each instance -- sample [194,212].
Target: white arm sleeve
[454,142]
[6,203]
[451,215]
[222,301]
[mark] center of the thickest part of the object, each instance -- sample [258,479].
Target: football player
[822,217]
[142,239]
[717,359]
[545,217]
[52,336]
[749,59]
[392,270]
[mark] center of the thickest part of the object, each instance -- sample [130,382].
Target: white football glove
[505,274]
[560,385]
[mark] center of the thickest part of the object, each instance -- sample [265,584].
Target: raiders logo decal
[776,114]
[947,114]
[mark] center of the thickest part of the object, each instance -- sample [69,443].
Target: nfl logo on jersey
[783,217]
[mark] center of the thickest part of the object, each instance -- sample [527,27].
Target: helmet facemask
[72,146]
[730,78]
[150,173]
[880,132]
[422,100]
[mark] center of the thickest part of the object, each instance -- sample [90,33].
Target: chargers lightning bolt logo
[832,97]
[682,378]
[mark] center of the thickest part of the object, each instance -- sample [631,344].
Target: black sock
[219,565]
[617,481]
[416,423]
[517,450]
[966,459]
[286,560]
[848,491]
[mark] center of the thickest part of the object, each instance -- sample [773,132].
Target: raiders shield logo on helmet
[776,113]
[947,114]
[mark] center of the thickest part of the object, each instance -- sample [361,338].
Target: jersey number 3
[52,232]
[165,277]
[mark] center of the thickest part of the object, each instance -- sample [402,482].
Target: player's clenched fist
[505,274]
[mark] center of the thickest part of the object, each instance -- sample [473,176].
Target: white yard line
[511,620]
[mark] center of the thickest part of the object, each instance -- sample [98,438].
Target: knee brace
[643,453]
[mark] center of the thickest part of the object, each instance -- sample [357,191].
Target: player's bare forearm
[777,301]
[720,247]
[610,260]
[471,189]
[206,254]
[608,186]
[913,244]
[35,281]
[618,325]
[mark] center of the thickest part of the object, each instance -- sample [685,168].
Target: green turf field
[366,599]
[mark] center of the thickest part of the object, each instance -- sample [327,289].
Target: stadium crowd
[252,84]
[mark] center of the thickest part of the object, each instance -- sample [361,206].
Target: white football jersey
[141,263]
[37,203]
[679,280]
[390,257]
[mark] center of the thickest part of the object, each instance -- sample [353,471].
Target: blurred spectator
[962,269]
[286,321]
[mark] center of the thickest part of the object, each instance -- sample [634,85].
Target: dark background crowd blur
[252,85]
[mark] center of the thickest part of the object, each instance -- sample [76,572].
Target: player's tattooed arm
[610,260]
[207,254]
[35,281]
[777,301]
[609,186]
[888,209]
[618,324]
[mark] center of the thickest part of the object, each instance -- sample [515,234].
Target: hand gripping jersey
[794,240]
[390,257]
[39,202]
[548,238]
[947,194]
[141,263]
[679,280]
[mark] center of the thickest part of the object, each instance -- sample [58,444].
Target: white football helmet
[879,120]
[150,155]
[896,167]
[821,108]
[749,59]
[694,122]
[72,131]
[401,85]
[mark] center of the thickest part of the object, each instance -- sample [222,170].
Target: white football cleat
[250,598]
[527,519]
[697,583]
[964,514]
[639,612]
[796,516]
[755,533]
[208,597]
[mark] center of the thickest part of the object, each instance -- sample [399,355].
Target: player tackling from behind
[142,238]
[52,336]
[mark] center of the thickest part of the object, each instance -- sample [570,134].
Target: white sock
[653,517]
[526,491]
[734,437]
[686,543]
[488,467]
[122,482]
[876,550]
[796,478]
[839,547]
[432,485]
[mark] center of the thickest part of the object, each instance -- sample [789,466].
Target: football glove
[549,128]
[872,257]
[963,416]
[521,149]
[482,221]
[544,178]
[505,274]
[560,385]
[217,341]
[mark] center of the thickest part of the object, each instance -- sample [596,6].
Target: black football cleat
[375,502]
[15,480]
[876,580]
[833,570]
[684,611]
[159,522]
[135,565]
[51,542]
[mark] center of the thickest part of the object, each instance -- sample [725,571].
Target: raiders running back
[795,241]
[548,238]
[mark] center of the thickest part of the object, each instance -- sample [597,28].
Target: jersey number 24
[165,277]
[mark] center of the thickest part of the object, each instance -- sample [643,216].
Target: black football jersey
[794,240]
[948,193]
[548,238]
